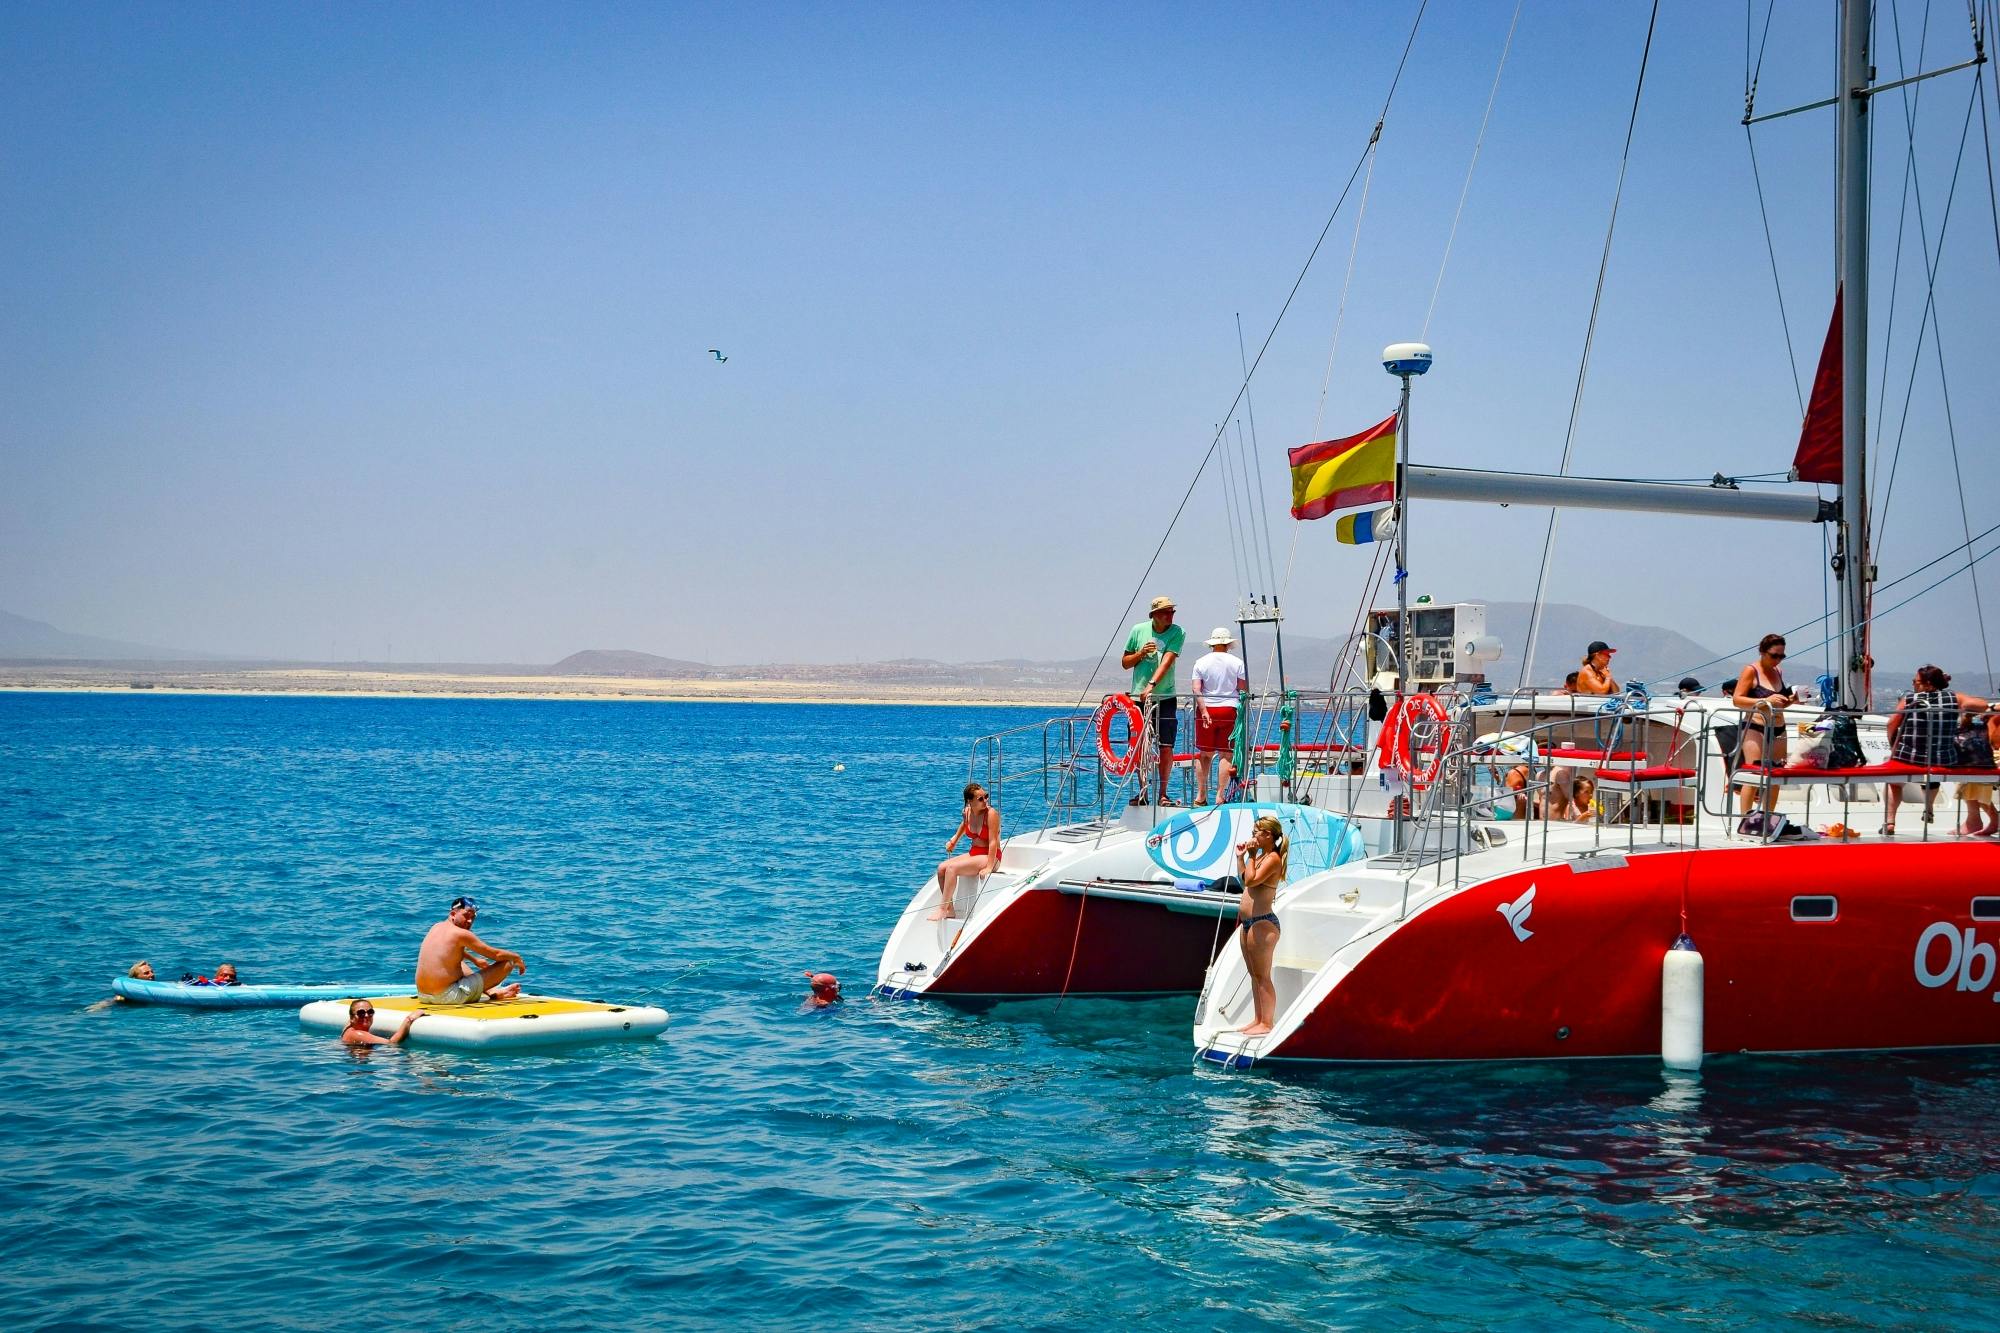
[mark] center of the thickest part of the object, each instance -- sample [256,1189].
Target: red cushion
[1657,773]
[1890,769]
[1564,755]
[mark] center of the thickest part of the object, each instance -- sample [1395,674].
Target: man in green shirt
[1150,653]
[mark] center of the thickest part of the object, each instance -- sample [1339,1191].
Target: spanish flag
[1345,474]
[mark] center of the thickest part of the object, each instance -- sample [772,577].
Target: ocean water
[882,1165]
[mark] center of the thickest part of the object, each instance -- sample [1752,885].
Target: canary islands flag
[1345,474]
[1360,529]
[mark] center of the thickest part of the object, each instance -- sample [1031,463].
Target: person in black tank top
[1763,696]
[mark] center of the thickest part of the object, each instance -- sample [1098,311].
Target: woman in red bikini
[980,824]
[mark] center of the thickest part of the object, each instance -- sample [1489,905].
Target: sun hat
[1220,636]
[1161,604]
[1599,646]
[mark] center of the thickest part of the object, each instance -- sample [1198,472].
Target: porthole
[1815,907]
[1986,909]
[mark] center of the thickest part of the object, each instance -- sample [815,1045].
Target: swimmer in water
[361,1013]
[139,971]
[825,990]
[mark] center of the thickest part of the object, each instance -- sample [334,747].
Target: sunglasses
[1776,655]
[364,1013]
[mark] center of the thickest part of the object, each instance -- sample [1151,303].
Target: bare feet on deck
[506,992]
[939,913]
[1255,1029]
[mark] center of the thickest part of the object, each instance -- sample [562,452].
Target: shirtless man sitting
[455,966]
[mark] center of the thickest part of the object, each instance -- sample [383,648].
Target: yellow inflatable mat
[493,1025]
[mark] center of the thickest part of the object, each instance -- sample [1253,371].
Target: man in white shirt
[1218,678]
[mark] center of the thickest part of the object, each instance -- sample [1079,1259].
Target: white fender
[1681,1006]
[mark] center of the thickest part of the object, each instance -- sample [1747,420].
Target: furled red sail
[1818,458]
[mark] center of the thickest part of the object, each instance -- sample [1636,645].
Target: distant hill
[625,662]
[1645,652]
[22,639]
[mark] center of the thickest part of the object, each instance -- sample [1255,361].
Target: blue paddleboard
[247,997]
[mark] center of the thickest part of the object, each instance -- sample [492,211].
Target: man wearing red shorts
[1218,678]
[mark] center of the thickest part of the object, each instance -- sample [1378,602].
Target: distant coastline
[333,682]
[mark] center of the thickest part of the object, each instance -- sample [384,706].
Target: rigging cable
[1466,189]
[1290,296]
[1291,557]
[1257,458]
[1964,547]
[1876,527]
[1928,321]
[1583,366]
[1235,539]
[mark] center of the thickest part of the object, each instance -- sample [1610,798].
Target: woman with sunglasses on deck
[1763,696]
[361,1013]
[980,824]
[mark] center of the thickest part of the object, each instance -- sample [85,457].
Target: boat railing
[1303,737]
[1655,749]
[1054,761]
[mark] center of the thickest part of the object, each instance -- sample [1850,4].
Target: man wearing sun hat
[1218,680]
[1151,650]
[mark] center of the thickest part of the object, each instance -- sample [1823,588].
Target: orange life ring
[1119,763]
[1394,746]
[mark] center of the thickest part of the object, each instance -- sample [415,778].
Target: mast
[1851,560]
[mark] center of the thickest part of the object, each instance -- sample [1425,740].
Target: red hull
[1456,984]
[1122,948]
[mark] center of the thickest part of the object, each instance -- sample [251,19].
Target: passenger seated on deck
[1569,684]
[1978,742]
[980,824]
[455,966]
[361,1013]
[1924,731]
[1763,696]
[1594,677]
[1582,802]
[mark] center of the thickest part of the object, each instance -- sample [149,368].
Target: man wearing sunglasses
[455,966]
[360,1017]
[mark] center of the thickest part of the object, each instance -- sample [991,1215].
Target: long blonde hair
[1280,846]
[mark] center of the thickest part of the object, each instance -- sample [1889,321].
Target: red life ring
[1394,746]
[1118,763]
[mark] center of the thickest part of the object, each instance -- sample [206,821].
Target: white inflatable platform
[527,1022]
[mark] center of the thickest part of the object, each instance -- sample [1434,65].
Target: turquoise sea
[884,1165]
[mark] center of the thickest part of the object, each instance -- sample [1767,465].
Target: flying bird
[719,357]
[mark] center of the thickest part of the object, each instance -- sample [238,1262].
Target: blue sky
[366,329]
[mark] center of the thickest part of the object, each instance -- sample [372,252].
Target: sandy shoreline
[334,683]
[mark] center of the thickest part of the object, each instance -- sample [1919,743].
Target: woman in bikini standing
[1763,696]
[981,825]
[1260,866]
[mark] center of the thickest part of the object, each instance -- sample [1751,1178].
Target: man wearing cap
[455,966]
[1218,680]
[1150,653]
[1594,677]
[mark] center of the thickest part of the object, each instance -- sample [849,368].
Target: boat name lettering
[1967,959]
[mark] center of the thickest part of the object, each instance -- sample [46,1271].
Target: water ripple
[1021,1167]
